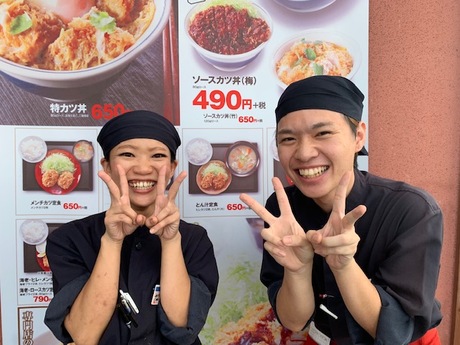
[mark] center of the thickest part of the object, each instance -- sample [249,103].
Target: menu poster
[221,98]
[99,80]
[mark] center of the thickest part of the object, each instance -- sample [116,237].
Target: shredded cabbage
[214,169]
[58,162]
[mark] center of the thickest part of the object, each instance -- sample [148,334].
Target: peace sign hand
[164,221]
[120,219]
[285,239]
[337,241]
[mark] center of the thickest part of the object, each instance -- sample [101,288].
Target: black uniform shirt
[72,251]
[399,251]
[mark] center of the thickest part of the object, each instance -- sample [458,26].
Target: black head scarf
[138,124]
[333,93]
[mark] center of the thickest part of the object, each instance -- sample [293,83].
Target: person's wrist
[108,240]
[176,239]
[343,269]
[302,270]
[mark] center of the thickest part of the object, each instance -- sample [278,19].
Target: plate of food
[58,173]
[33,231]
[69,50]
[42,260]
[228,34]
[315,52]
[242,158]
[213,177]
[83,150]
[32,149]
[199,151]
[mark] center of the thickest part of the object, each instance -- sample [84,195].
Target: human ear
[105,165]
[360,136]
[173,167]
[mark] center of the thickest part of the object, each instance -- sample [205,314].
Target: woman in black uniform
[137,273]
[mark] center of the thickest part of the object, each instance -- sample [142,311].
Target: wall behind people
[414,107]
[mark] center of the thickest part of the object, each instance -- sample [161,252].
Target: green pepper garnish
[310,54]
[317,69]
[20,24]
[102,21]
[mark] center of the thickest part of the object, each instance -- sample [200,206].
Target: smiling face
[141,159]
[316,147]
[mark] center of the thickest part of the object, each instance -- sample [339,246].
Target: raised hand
[164,221]
[285,239]
[337,241]
[120,219]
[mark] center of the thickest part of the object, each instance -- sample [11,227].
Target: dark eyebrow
[322,124]
[315,126]
[126,146]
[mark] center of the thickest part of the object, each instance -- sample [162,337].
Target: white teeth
[142,184]
[313,172]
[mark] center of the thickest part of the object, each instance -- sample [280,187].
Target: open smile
[313,172]
[142,185]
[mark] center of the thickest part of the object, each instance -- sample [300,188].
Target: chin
[142,202]
[313,191]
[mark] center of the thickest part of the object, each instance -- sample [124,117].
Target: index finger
[176,184]
[161,181]
[283,201]
[110,183]
[259,209]
[341,194]
[124,187]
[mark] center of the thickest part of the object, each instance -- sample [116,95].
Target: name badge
[156,295]
[319,337]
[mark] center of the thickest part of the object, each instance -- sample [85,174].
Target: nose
[305,150]
[143,165]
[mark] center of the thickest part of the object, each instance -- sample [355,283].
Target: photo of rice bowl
[33,231]
[35,36]
[316,52]
[44,54]
[199,151]
[32,149]
[228,34]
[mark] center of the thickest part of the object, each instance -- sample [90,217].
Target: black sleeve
[409,272]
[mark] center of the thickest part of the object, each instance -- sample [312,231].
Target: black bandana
[138,124]
[333,93]
[322,92]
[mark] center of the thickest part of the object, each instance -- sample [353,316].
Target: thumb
[314,236]
[351,217]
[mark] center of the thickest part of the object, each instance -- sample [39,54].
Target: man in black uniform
[137,273]
[354,256]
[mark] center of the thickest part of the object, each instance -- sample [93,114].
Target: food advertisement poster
[215,69]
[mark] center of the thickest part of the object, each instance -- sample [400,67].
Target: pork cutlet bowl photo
[228,34]
[305,5]
[69,50]
[316,52]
